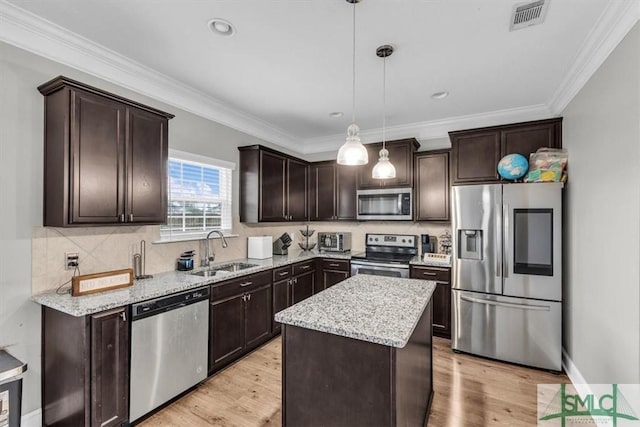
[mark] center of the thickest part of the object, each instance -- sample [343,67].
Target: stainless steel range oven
[386,255]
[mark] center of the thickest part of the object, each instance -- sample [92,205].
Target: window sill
[192,237]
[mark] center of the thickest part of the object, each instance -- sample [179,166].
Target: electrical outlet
[71,260]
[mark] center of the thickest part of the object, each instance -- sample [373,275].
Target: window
[199,196]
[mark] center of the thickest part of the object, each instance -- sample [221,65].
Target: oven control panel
[392,240]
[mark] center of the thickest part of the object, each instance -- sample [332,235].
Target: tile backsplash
[112,248]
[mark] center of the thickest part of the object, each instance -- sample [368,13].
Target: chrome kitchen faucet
[209,254]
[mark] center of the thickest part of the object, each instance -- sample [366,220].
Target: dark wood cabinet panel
[273,196]
[332,192]
[322,200]
[109,368]
[85,368]
[298,185]
[258,316]
[475,153]
[331,277]
[346,187]
[273,186]
[432,186]
[281,300]
[302,287]
[475,157]
[105,157]
[441,298]
[226,330]
[147,146]
[400,155]
[97,149]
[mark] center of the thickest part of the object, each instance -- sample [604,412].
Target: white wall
[602,286]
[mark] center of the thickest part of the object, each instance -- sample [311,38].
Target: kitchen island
[359,354]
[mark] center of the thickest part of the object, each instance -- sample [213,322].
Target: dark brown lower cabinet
[302,287]
[85,363]
[280,301]
[241,321]
[441,298]
[333,271]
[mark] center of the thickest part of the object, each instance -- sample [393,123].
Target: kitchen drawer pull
[283,273]
[242,285]
[428,273]
[130,217]
[124,316]
[304,267]
[121,217]
[334,265]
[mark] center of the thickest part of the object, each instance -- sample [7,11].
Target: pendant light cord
[384,101]
[353,105]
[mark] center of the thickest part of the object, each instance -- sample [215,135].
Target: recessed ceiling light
[222,27]
[440,95]
[336,114]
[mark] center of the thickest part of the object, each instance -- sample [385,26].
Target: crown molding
[32,33]
[428,130]
[613,25]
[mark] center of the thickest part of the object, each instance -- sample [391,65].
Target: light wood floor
[469,391]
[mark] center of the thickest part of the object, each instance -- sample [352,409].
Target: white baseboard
[32,419]
[578,381]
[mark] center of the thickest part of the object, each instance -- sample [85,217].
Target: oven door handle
[379,264]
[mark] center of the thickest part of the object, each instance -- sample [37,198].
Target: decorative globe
[513,166]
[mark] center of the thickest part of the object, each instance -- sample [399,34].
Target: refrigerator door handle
[496,250]
[507,304]
[505,241]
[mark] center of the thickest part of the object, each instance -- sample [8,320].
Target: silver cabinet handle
[242,285]
[506,304]
[244,297]
[505,243]
[304,267]
[283,273]
[249,297]
[496,251]
[428,273]
[295,280]
[123,315]
[130,217]
[121,217]
[334,265]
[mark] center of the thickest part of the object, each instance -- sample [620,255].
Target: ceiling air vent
[527,14]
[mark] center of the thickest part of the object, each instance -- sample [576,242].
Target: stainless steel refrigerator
[507,272]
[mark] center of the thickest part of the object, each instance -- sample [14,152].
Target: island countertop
[382,310]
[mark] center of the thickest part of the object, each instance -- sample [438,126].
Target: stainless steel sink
[227,268]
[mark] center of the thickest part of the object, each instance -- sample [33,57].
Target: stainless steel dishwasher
[169,348]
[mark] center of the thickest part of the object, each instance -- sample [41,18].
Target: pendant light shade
[352,152]
[384,169]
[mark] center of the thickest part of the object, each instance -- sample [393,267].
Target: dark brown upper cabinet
[332,191]
[105,158]
[273,186]
[475,153]
[400,155]
[432,186]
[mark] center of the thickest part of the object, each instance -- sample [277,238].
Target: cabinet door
[109,368]
[302,287]
[226,339]
[280,300]
[365,180]
[401,156]
[273,187]
[258,316]
[527,139]
[322,192]
[442,310]
[297,188]
[330,277]
[146,167]
[475,156]
[432,187]
[345,195]
[97,160]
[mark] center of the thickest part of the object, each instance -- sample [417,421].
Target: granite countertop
[382,310]
[166,283]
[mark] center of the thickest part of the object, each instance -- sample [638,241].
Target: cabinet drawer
[335,264]
[438,274]
[303,267]
[239,285]
[281,273]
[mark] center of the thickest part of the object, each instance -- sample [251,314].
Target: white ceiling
[289,64]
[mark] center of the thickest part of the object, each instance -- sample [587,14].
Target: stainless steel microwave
[385,204]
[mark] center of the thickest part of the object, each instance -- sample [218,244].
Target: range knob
[376,239]
[404,241]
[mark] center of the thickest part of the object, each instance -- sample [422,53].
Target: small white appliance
[260,247]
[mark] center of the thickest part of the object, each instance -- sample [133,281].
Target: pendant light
[384,169]
[352,152]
